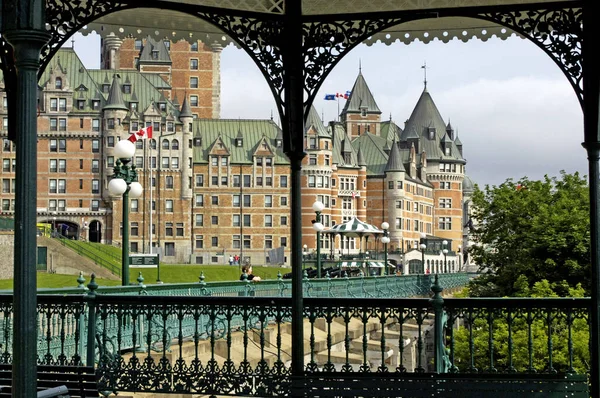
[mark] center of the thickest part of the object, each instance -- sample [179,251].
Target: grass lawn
[168,274]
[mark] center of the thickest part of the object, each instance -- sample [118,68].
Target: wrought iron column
[293,64]
[591,126]
[27,40]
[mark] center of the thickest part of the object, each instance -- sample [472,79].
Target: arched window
[174,144]
[165,144]
[58,83]
[152,143]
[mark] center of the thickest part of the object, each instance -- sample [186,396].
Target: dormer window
[133,106]
[154,54]
[162,106]
[194,46]
[363,111]
[431,133]
[138,44]
[312,143]
[105,88]
[58,83]
[197,141]
[127,88]
[80,104]
[95,104]
[278,143]
[167,44]
[447,151]
[239,142]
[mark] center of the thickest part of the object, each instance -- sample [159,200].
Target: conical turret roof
[314,120]
[394,160]
[115,96]
[361,97]
[186,111]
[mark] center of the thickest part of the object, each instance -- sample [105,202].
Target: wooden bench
[444,385]
[80,381]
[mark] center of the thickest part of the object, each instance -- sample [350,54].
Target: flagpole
[338,114]
[150,172]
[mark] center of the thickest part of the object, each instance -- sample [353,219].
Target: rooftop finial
[359,65]
[424,67]
[271,114]
[73,43]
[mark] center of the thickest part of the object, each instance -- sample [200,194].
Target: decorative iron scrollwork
[325,43]
[262,40]
[559,33]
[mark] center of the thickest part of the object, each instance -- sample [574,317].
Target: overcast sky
[515,112]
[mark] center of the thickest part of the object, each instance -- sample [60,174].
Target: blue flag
[329,97]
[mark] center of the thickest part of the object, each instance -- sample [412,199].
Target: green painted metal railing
[240,345]
[112,266]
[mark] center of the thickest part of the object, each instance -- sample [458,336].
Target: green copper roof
[339,135]
[186,111]
[425,116]
[394,162]
[314,120]
[253,132]
[360,97]
[390,131]
[371,149]
[158,48]
[115,96]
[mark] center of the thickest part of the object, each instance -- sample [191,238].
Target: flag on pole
[345,95]
[329,97]
[142,134]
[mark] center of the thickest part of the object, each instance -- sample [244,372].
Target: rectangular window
[236,241]
[95,186]
[236,220]
[398,223]
[179,229]
[247,242]
[214,180]
[214,241]
[193,64]
[95,124]
[283,221]
[62,186]
[283,241]
[134,205]
[247,220]
[214,220]
[52,205]
[247,201]
[199,180]
[53,124]
[95,146]
[134,229]
[268,181]
[169,206]
[259,181]
[224,181]
[62,104]
[214,200]
[445,223]
[445,203]
[236,181]
[199,241]
[96,166]
[174,163]
[268,201]
[312,160]
[169,229]
[53,165]
[236,201]
[193,100]
[247,181]
[283,181]
[268,220]
[283,201]
[193,82]
[170,248]
[165,163]
[199,220]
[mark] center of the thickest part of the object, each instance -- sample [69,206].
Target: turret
[413,161]
[423,167]
[114,113]
[186,118]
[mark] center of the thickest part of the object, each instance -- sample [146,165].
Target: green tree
[529,231]
[534,334]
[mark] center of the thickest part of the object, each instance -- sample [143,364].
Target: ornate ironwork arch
[558,32]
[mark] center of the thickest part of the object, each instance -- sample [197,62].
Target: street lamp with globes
[385,240]
[445,251]
[124,182]
[304,254]
[318,227]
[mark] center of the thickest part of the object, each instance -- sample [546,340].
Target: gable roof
[152,46]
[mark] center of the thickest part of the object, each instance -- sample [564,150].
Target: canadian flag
[144,133]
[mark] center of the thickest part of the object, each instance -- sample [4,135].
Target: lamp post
[318,227]
[385,240]
[124,182]
[445,251]
[304,253]
[460,262]
[423,246]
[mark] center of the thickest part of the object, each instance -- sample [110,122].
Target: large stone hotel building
[216,187]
